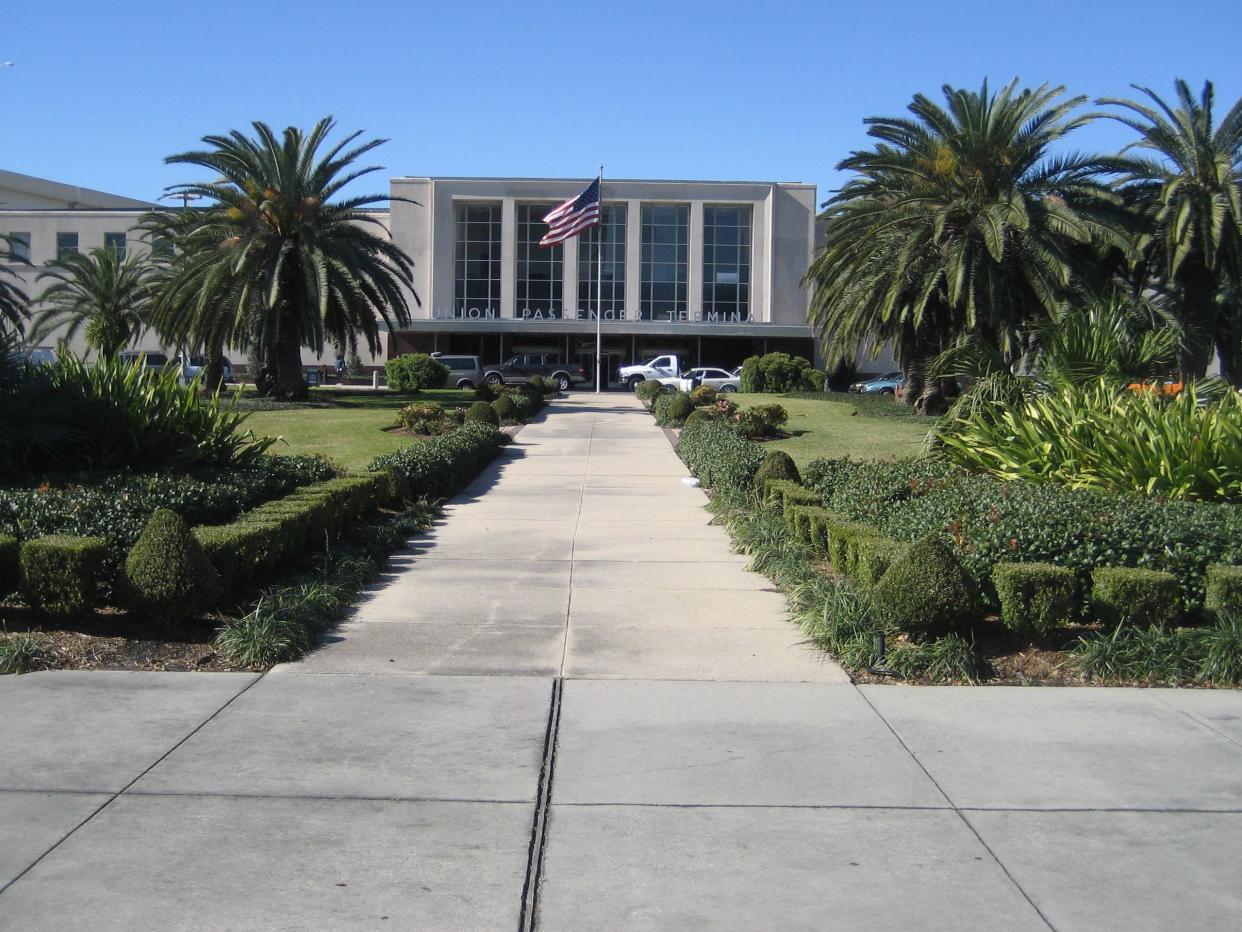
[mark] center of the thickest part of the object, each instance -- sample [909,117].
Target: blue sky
[101,92]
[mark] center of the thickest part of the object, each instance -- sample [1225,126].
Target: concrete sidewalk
[589,715]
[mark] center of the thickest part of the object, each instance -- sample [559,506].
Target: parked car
[520,369]
[464,371]
[149,359]
[665,369]
[195,364]
[888,384]
[715,378]
[39,355]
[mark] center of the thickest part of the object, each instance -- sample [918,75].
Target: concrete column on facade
[694,279]
[569,278]
[508,257]
[633,258]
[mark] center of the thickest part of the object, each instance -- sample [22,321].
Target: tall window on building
[476,291]
[19,246]
[665,245]
[612,226]
[65,244]
[726,263]
[115,243]
[540,269]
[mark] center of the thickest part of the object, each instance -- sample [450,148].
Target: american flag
[572,217]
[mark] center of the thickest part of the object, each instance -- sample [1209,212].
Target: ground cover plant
[154,590]
[971,579]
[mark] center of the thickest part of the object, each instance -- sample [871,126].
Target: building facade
[711,271]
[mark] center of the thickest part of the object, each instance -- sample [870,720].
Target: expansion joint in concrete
[539,823]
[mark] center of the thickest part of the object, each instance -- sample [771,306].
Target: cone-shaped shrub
[482,413]
[167,572]
[505,409]
[926,589]
[777,465]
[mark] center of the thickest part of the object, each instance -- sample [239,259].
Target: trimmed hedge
[440,466]
[926,589]
[779,465]
[60,573]
[648,389]
[481,412]
[873,555]
[1127,595]
[810,524]
[1223,585]
[167,573]
[990,521]
[1035,597]
[718,456]
[505,408]
[262,539]
[787,490]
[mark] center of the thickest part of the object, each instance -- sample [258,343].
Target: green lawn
[821,428]
[346,427]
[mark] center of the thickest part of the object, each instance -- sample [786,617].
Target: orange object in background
[1164,388]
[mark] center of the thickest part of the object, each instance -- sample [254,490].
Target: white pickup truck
[664,369]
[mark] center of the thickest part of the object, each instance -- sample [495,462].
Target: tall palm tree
[13,303]
[104,290]
[272,264]
[1190,188]
[961,220]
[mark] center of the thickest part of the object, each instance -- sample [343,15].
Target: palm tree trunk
[1229,348]
[290,382]
[1198,320]
[213,372]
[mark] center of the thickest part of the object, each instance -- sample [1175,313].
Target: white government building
[710,270]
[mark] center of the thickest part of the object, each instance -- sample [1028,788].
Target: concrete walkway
[588,715]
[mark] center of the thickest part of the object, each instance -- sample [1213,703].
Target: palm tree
[960,221]
[13,305]
[104,290]
[272,264]
[1190,188]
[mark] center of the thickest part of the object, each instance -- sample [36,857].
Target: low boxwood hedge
[1035,597]
[1223,586]
[60,573]
[718,456]
[990,521]
[439,467]
[787,491]
[1135,597]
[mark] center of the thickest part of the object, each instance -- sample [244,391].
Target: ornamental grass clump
[167,573]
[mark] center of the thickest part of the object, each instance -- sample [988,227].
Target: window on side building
[115,243]
[665,246]
[65,244]
[613,229]
[540,269]
[476,291]
[19,247]
[726,263]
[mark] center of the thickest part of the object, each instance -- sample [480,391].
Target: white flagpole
[599,285]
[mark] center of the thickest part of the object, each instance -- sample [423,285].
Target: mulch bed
[112,640]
